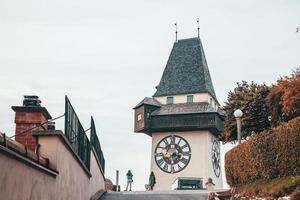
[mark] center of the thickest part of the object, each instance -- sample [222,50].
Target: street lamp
[238,114]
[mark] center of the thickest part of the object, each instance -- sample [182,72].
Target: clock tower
[184,120]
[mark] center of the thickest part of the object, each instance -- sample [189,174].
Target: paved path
[153,195]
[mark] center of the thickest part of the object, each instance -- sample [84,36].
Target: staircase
[156,195]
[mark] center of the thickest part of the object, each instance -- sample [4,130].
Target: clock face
[216,157]
[172,154]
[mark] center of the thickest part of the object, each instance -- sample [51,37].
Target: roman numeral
[184,161]
[166,142]
[172,139]
[158,155]
[179,141]
[172,169]
[186,153]
[165,167]
[160,161]
[158,152]
[179,167]
[184,146]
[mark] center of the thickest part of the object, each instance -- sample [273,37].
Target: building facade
[184,120]
[42,163]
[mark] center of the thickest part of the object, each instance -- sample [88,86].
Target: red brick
[25,121]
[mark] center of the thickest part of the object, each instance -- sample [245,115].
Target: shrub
[295,195]
[271,154]
[270,189]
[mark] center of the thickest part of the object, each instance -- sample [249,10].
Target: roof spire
[198,28]
[187,59]
[176,32]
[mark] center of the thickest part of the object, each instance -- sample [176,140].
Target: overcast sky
[108,55]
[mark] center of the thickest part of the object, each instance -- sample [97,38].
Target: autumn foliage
[272,154]
[263,106]
[290,100]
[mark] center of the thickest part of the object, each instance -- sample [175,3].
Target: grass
[275,188]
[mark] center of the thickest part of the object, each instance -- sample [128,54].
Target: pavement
[157,195]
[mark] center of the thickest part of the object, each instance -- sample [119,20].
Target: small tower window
[189,98]
[211,101]
[170,100]
[139,117]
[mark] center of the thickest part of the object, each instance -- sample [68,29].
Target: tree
[251,99]
[284,99]
[274,104]
[290,99]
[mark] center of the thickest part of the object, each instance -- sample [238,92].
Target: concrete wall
[21,181]
[200,165]
[182,98]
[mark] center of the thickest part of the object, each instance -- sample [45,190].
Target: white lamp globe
[238,113]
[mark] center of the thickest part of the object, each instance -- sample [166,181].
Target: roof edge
[146,101]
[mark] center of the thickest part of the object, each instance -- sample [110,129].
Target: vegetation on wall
[273,153]
[274,188]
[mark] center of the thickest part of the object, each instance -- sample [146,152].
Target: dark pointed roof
[186,71]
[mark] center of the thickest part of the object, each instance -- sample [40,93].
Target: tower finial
[198,28]
[176,31]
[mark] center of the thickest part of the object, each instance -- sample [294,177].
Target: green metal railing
[96,144]
[76,135]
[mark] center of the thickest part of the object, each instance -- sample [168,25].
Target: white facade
[200,165]
[197,98]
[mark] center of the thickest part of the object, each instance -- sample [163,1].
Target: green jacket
[152,180]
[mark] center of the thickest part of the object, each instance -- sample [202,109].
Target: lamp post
[117,181]
[238,114]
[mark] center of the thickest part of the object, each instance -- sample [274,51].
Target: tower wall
[200,165]
[195,119]
[182,98]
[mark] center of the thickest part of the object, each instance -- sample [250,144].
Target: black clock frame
[190,153]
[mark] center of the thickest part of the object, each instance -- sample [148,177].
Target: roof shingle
[186,70]
[186,108]
[148,101]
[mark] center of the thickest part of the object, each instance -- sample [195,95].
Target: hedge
[271,154]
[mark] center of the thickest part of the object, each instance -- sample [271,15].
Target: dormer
[142,114]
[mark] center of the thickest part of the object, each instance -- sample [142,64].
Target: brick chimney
[28,116]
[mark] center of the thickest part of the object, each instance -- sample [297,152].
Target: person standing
[152,180]
[210,184]
[129,180]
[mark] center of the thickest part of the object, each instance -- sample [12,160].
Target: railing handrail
[96,144]
[76,135]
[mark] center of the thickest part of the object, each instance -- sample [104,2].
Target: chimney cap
[31,100]
[32,103]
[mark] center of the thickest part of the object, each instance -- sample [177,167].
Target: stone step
[156,195]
